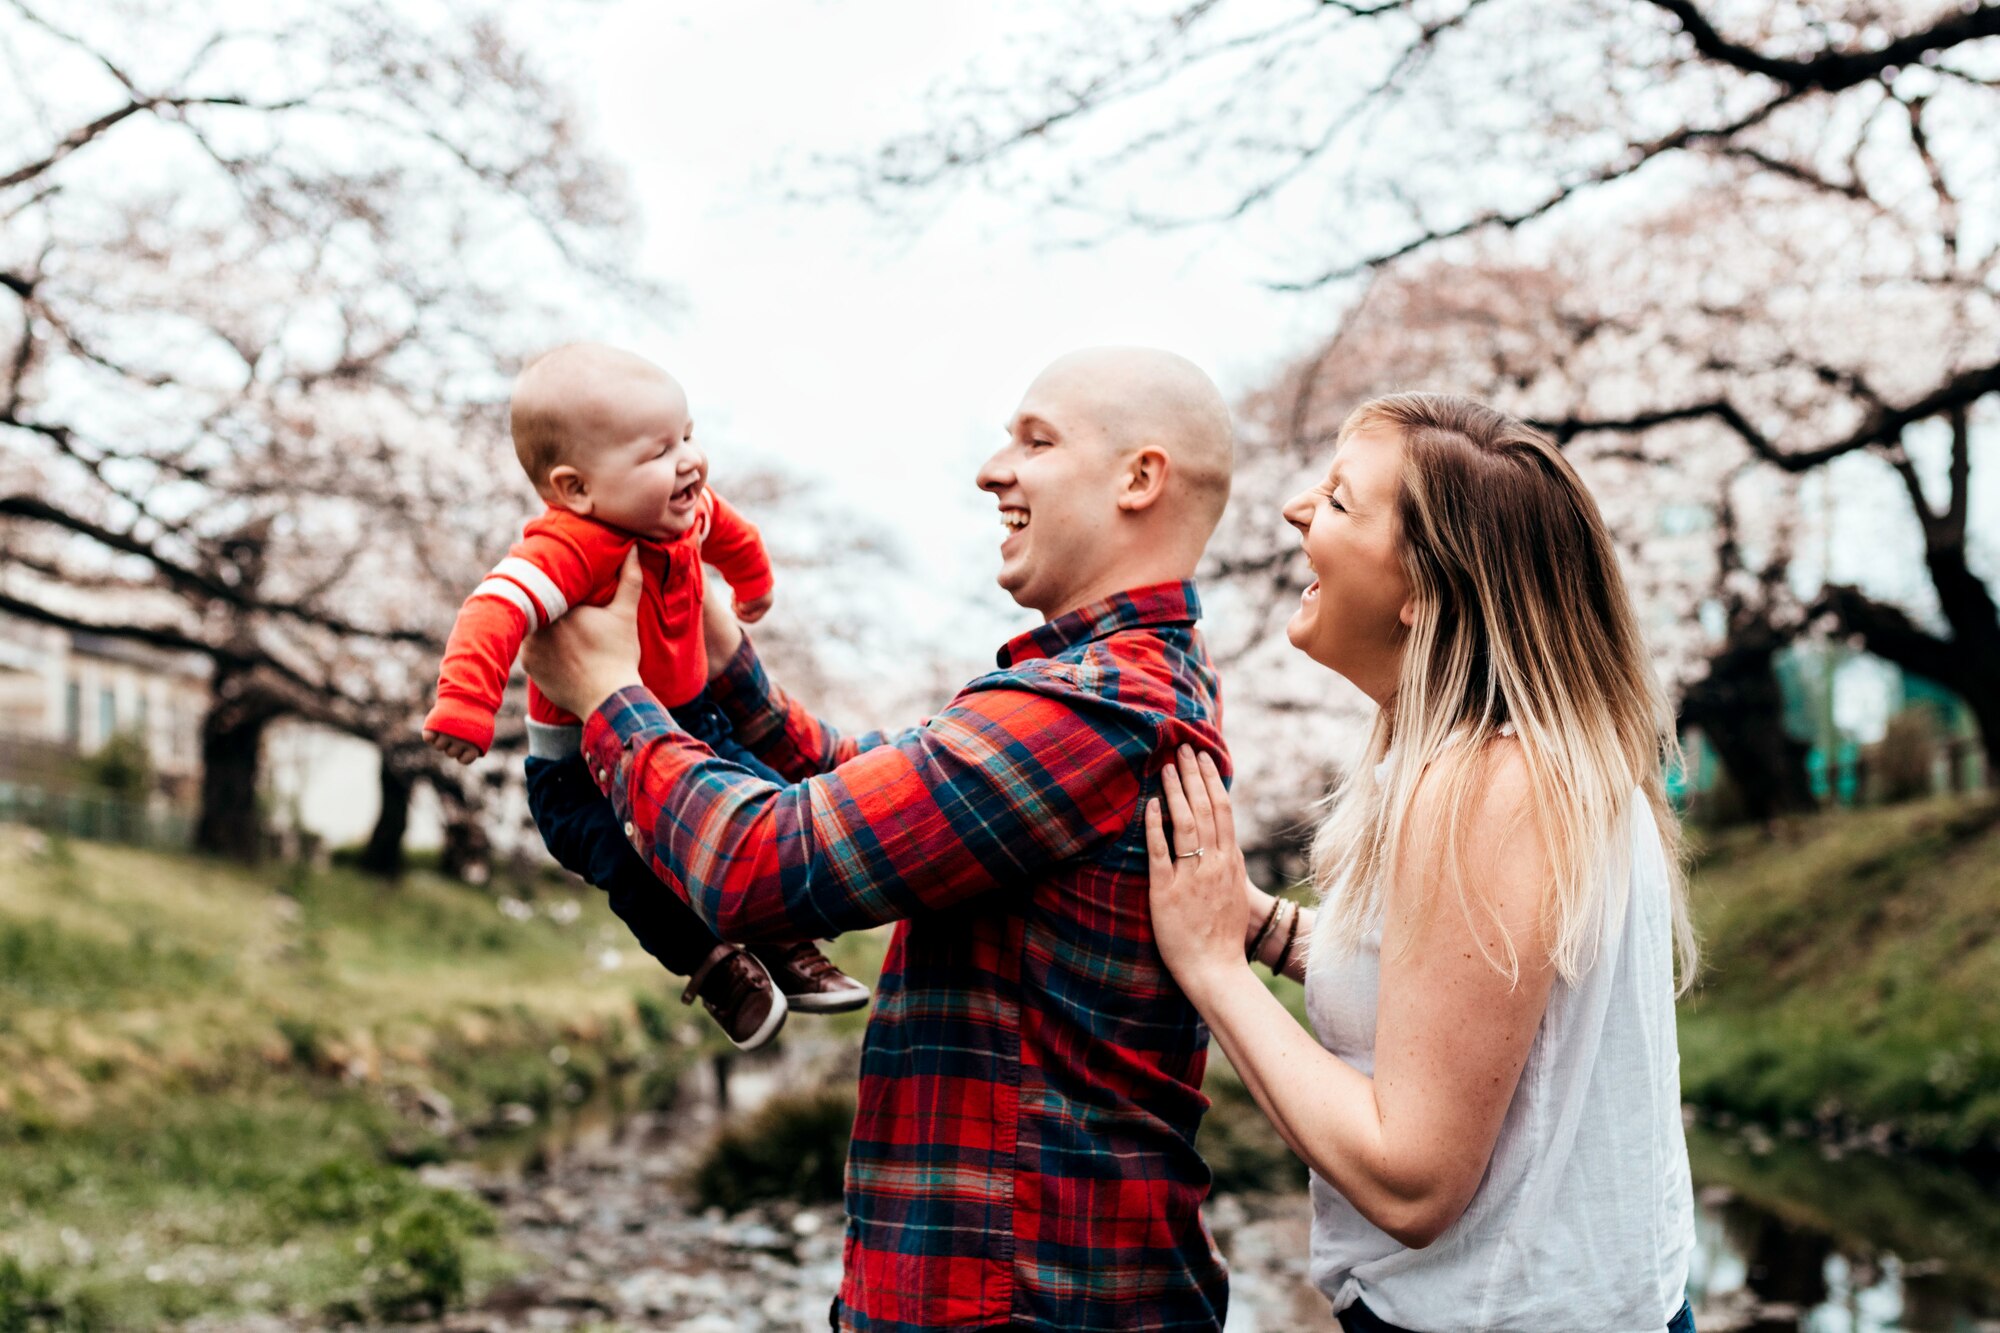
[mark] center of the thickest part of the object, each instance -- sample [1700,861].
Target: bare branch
[1831,70]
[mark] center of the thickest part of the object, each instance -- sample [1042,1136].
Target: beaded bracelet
[1256,943]
[1291,938]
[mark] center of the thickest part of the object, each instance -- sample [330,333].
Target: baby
[606,438]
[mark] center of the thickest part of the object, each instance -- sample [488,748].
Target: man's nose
[994,473]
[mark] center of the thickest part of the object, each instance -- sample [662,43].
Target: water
[1801,1236]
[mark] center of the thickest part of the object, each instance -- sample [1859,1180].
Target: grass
[217,1083]
[1851,977]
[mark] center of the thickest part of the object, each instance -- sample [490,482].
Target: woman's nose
[1298,512]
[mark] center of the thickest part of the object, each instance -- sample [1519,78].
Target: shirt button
[602,776]
[629,830]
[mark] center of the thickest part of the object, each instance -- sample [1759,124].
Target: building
[63,695]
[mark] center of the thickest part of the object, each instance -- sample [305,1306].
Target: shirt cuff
[627,716]
[743,690]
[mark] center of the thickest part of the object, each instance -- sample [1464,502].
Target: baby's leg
[807,978]
[581,830]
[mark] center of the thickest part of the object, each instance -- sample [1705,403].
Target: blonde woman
[1491,1111]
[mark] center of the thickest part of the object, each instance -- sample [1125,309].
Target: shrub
[417,1258]
[1904,755]
[28,1304]
[794,1147]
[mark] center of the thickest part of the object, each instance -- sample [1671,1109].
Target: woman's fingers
[1186,836]
[1218,797]
[1158,858]
[1196,786]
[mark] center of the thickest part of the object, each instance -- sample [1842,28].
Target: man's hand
[754,610]
[463,751]
[591,653]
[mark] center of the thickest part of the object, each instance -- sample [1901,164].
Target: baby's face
[643,469]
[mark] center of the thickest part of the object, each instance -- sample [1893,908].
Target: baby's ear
[567,488]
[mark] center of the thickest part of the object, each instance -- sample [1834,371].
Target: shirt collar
[1158,604]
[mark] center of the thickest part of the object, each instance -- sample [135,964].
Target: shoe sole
[772,1022]
[817,1003]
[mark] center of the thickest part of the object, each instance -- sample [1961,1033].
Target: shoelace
[734,979]
[815,964]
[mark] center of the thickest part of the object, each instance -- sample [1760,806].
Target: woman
[1492,1111]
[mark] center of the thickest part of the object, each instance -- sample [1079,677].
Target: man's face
[1056,480]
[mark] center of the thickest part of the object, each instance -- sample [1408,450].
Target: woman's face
[1353,616]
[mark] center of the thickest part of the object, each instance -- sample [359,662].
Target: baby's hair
[550,392]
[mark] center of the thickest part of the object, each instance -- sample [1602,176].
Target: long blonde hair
[1522,622]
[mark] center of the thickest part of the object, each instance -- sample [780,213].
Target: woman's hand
[1200,907]
[591,653]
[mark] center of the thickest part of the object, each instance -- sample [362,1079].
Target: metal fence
[94,816]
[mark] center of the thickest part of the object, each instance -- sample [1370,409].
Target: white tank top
[1585,1218]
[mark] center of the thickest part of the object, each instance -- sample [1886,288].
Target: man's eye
[1040,444]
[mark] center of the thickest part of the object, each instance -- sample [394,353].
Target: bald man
[1023,1155]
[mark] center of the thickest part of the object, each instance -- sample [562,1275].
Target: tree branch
[1889,633]
[1883,426]
[1832,71]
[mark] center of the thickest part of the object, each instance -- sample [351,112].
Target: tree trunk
[467,853]
[1741,711]
[232,751]
[384,853]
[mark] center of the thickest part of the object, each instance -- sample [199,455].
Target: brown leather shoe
[737,992]
[809,980]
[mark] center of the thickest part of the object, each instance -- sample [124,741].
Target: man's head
[606,434]
[1115,471]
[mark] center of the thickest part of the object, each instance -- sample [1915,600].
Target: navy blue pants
[584,835]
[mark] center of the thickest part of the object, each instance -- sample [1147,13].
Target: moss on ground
[1851,976]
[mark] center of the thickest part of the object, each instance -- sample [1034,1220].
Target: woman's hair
[1522,618]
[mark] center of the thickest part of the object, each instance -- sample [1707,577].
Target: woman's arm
[1262,908]
[1408,1146]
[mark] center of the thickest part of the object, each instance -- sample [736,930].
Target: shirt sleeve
[735,547]
[546,572]
[776,727]
[995,791]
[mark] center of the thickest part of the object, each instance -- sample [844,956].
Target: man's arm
[994,791]
[776,727]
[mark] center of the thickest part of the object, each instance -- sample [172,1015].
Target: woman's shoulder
[1487,783]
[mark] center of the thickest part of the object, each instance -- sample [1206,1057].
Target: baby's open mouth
[683,497]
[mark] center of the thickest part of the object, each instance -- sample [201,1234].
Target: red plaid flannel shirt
[1030,1079]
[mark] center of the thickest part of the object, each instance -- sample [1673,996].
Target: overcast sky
[876,364]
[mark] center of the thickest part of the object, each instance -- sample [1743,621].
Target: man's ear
[1145,479]
[567,488]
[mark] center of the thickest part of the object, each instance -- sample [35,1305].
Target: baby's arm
[547,570]
[735,547]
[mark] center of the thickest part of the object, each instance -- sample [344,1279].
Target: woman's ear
[1408,613]
[1145,478]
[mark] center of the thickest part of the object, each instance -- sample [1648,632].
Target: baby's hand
[463,751]
[753,611]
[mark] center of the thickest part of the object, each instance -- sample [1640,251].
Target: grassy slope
[1852,975]
[213,1081]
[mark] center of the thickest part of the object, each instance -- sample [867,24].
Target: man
[1023,1155]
